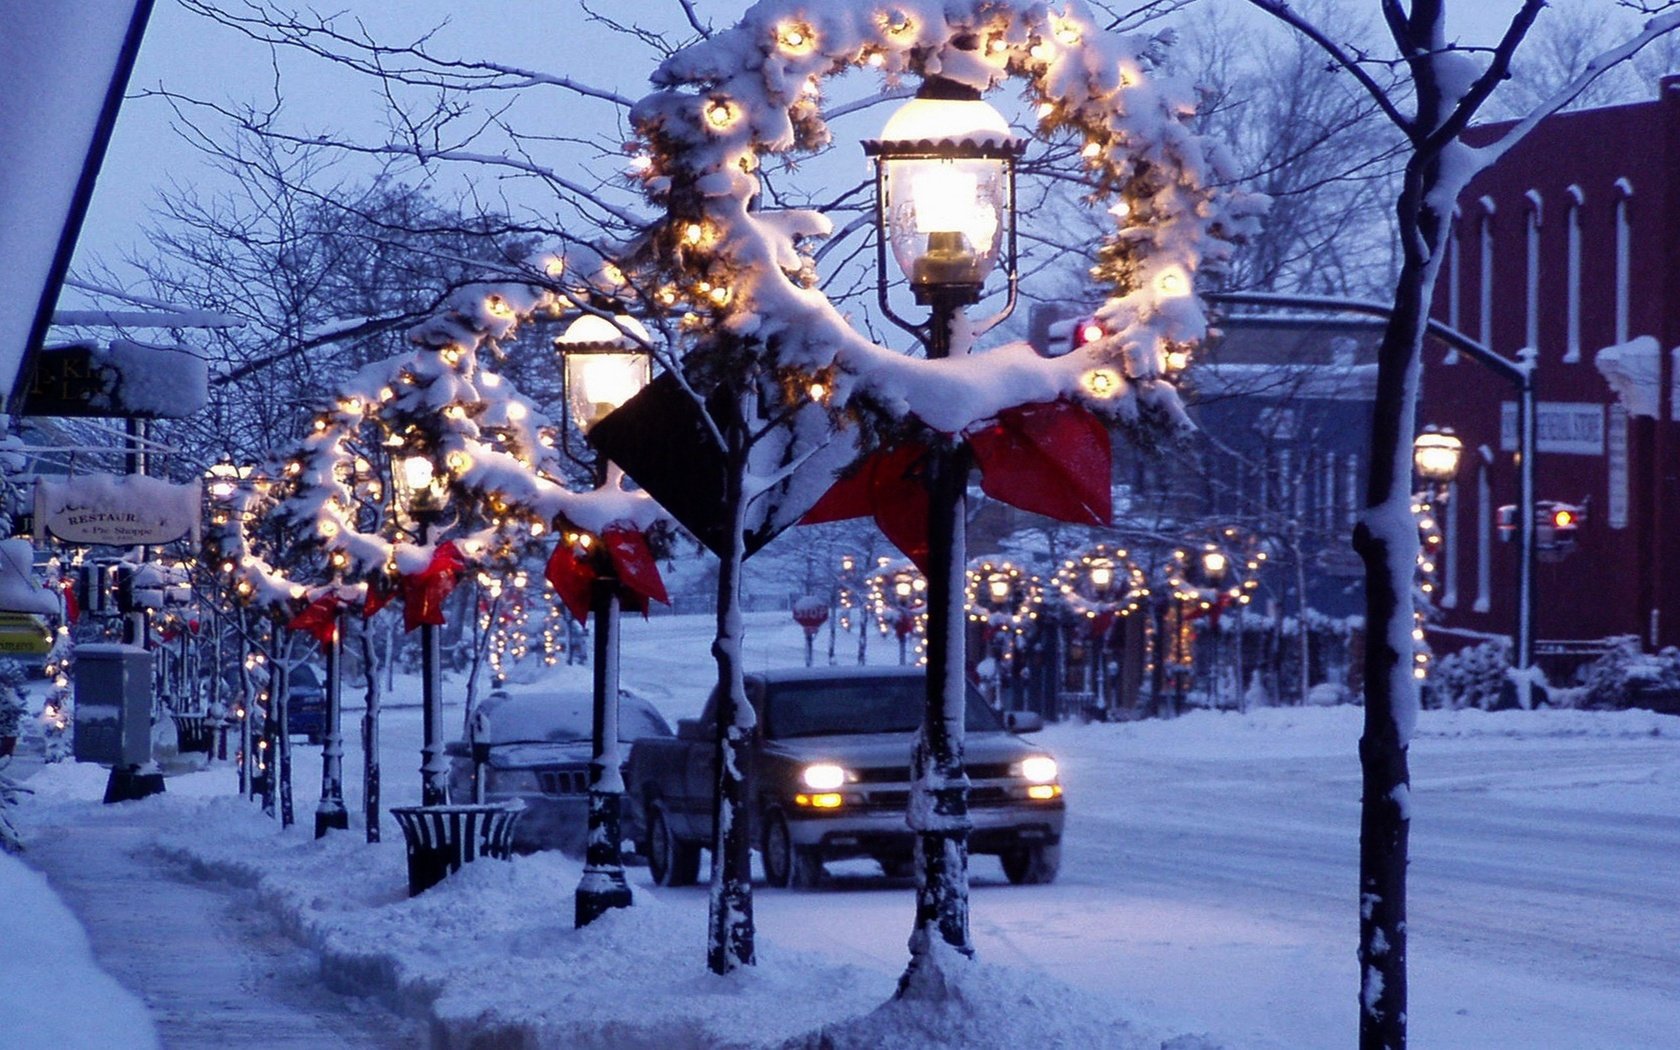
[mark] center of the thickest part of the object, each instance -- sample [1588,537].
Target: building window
[1448,512]
[1572,295]
[1455,279]
[1624,273]
[1484,540]
[1350,477]
[1485,299]
[1531,271]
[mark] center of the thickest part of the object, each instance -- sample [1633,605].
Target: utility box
[113,705]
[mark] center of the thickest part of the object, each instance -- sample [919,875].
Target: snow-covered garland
[755,89]
[501,478]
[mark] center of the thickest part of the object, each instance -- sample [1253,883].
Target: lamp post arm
[1512,371]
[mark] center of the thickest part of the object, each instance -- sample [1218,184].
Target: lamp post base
[331,817]
[126,784]
[598,893]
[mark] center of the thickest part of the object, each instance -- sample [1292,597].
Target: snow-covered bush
[12,707]
[1472,677]
[1624,671]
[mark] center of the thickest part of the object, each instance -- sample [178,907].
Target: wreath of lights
[1072,584]
[895,612]
[492,450]
[738,275]
[1017,612]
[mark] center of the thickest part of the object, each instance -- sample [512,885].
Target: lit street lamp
[423,498]
[602,367]
[1435,456]
[944,196]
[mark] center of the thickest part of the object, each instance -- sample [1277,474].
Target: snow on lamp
[945,191]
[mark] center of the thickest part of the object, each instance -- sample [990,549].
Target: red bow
[633,565]
[319,618]
[1052,459]
[423,592]
[379,594]
[72,608]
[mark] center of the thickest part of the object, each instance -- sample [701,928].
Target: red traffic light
[1086,331]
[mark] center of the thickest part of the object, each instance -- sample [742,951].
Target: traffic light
[1087,330]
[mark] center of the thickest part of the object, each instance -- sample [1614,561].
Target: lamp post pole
[330,813]
[945,203]
[603,364]
[423,508]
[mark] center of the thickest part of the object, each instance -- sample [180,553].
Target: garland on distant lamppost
[1005,600]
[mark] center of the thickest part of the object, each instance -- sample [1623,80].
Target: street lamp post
[1215,567]
[423,494]
[330,812]
[944,196]
[603,364]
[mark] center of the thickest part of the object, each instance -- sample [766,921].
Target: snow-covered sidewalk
[52,992]
[490,953]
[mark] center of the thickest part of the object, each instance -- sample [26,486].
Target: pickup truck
[828,778]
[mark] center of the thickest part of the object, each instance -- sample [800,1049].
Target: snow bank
[52,993]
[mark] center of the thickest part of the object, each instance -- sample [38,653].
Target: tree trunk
[730,942]
[1387,541]
[370,736]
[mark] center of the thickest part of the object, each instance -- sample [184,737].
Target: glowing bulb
[720,113]
[1172,283]
[1101,382]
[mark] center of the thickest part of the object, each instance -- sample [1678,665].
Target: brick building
[1566,247]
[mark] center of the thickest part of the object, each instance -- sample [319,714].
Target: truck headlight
[1036,769]
[823,776]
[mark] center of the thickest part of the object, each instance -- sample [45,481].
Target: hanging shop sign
[117,511]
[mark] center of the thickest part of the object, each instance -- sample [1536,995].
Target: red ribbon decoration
[1052,459]
[379,594]
[423,592]
[633,565]
[319,619]
[72,608]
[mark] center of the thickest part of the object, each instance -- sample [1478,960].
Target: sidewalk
[205,961]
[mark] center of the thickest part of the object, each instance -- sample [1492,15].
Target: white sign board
[116,511]
[1573,428]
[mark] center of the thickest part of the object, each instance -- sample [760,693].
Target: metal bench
[442,838]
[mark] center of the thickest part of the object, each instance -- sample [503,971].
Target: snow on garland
[755,89]
[497,476]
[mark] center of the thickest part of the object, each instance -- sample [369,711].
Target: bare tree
[1445,86]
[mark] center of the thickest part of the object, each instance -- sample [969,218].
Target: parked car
[306,704]
[536,748]
[828,777]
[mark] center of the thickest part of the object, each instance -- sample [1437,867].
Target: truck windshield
[868,705]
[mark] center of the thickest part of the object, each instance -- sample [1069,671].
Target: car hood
[538,754]
[887,750]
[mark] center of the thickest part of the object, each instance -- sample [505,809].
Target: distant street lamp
[1435,456]
[944,196]
[604,363]
[423,498]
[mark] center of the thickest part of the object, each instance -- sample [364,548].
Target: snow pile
[51,991]
[491,952]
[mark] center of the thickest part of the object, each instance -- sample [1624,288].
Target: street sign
[126,379]
[117,511]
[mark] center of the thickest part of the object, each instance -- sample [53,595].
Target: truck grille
[977,796]
[564,781]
